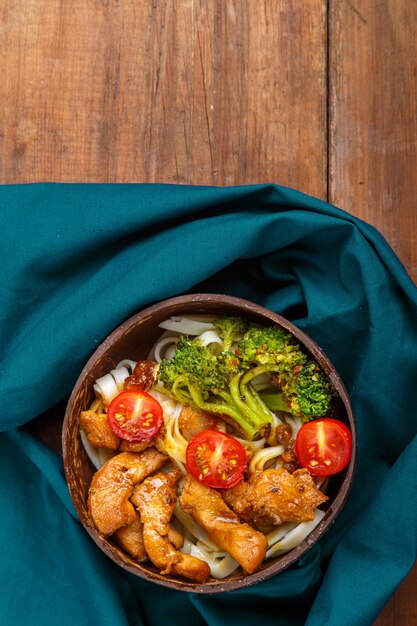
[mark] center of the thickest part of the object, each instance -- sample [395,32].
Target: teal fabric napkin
[79,259]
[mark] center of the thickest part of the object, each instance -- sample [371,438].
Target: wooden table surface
[319,95]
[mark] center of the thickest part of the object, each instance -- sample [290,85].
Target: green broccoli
[274,346]
[195,363]
[230,329]
[211,382]
[224,382]
[305,391]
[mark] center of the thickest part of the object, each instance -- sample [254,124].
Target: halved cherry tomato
[324,446]
[135,415]
[216,459]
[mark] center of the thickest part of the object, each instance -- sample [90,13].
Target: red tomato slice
[135,415]
[216,459]
[324,446]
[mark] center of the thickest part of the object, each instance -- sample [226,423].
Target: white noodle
[128,363]
[91,451]
[295,536]
[104,454]
[106,387]
[295,424]
[261,457]
[119,374]
[252,446]
[170,353]
[174,443]
[197,317]
[199,544]
[110,385]
[276,421]
[209,337]
[186,325]
[97,456]
[279,532]
[221,563]
[161,397]
[166,343]
[263,381]
[188,544]
[194,529]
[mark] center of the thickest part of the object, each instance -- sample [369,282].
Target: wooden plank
[187,91]
[373,148]
[373,117]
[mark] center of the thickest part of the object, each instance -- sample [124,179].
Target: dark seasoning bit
[283,434]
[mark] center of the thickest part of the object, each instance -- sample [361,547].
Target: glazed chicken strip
[99,433]
[192,421]
[113,484]
[175,537]
[130,538]
[207,507]
[155,499]
[97,428]
[134,446]
[274,496]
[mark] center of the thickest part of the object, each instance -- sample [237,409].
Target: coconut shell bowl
[133,339]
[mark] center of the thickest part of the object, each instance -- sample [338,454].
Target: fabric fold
[80,259]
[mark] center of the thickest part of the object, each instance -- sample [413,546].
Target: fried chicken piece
[100,434]
[207,507]
[175,537]
[274,496]
[113,484]
[130,538]
[155,499]
[192,421]
[134,446]
[98,430]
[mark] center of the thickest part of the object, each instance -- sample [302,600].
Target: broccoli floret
[305,391]
[274,346]
[211,382]
[309,391]
[229,364]
[230,329]
[223,382]
[196,363]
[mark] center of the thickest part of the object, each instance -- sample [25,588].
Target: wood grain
[373,148]
[373,117]
[164,92]
[219,92]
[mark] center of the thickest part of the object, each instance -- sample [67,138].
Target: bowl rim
[285,560]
